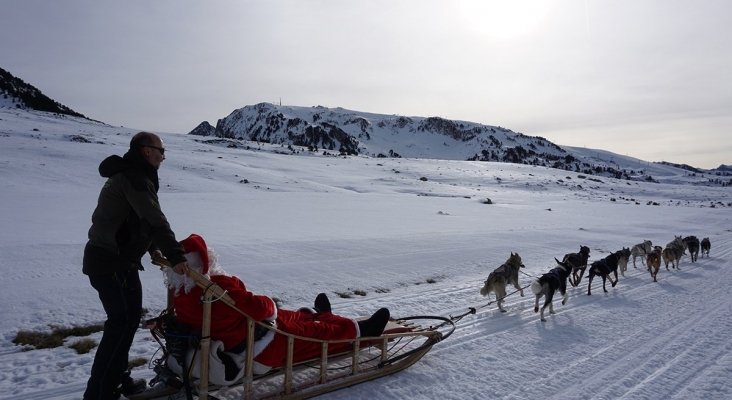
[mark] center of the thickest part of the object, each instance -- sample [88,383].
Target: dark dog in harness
[548,284]
[706,245]
[577,262]
[604,268]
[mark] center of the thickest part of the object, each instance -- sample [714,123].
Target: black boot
[322,304]
[374,326]
[130,386]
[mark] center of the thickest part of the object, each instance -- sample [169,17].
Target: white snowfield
[294,226]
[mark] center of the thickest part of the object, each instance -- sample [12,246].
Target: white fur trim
[358,329]
[273,317]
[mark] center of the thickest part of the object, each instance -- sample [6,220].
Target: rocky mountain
[15,93]
[341,131]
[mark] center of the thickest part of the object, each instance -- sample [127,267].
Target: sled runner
[404,342]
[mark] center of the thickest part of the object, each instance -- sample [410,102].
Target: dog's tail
[536,287]
[486,289]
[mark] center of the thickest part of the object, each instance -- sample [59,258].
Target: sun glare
[503,19]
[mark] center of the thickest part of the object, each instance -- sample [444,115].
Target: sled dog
[673,251]
[692,243]
[653,261]
[706,245]
[640,250]
[502,276]
[548,284]
[577,262]
[623,257]
[604,268]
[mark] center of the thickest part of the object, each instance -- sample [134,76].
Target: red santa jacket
[227,325]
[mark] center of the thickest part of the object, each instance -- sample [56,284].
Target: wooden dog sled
[404,342]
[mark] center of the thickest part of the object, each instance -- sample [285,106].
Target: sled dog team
[573,266]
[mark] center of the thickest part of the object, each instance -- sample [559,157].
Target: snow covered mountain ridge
[16,93]
[348,132]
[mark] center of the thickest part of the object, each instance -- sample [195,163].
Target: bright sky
[645,78]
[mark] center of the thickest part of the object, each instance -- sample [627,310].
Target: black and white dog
[548,284]
[577,262]
[604,268]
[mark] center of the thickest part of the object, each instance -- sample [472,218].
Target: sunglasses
[160,149]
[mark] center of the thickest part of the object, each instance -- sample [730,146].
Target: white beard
[177,282]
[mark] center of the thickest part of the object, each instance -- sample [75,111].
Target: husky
[623,257]
[548,284]
[706,245]
[692,243]
[640,250]
[653,261]
[672,255]
[577,262]
[604,268]
[501,276]
[673,251]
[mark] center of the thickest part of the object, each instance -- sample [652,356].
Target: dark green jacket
[128,220]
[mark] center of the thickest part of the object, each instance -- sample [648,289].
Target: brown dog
[653,261]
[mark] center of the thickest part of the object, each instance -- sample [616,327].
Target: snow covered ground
[293,226]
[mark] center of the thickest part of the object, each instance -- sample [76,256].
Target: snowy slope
[295,225]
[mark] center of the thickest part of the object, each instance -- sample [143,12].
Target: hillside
[16,93]
[347,132]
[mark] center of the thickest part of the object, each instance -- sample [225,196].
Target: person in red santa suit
[230,326]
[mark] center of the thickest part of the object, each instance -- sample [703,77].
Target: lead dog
[501,276]
[577,262]
[706,245]
[604,268]
[640,250]
[548,284]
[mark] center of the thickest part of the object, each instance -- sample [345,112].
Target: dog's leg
[541,315]
[604,278]
[500,295]
[582,272]
[516,285]
[616,278]
[589,285]
[634,256]
[536,303]
[547,303]
[551,308]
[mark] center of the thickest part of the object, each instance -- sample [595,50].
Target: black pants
[121,296]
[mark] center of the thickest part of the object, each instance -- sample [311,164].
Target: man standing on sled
[230,326]
[126,223]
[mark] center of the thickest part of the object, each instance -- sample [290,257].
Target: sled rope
[221,296]
[473,310]
[530,276]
